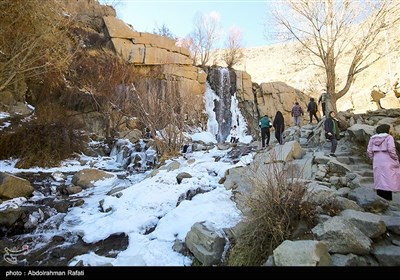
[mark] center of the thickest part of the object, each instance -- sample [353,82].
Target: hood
[378,139]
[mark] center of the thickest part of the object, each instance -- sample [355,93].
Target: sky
[178,15]
[145,202]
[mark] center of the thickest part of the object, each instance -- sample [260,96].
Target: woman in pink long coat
[382,150]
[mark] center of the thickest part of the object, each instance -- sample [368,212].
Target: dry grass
[273,213]
[44,140]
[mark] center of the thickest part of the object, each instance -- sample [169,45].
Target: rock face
[154,52]
[267,99]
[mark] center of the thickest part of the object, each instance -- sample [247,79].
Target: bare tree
[344,31]
[188,42]
[206,33]
[164,31]
[104,87]
[164,113]
[233,53]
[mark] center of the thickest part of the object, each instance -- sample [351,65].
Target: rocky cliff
[154,51]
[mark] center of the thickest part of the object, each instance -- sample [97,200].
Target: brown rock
[87,177]
[12,186]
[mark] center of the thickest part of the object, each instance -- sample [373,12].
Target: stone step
[396,198]
[347,154]
[367,180]
[360,167]
[351,159]
[364,173]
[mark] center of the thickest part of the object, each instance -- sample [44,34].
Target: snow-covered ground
[149,203]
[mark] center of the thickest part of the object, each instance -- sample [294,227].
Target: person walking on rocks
[312,108]
[382,150]
[279,125]
[322,99]
[265,124]
[297,111]
[332,132]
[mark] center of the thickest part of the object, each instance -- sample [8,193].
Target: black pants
[313,113]
[265,133]
[384,194]
[333,144]
[279,136]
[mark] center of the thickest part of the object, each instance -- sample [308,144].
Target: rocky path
[348,153]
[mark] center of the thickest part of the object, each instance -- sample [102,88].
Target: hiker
[312,108]
[322,99]
[265,124]
[382,150]
[234,134]
[332,132]
[279,125]
[296,113]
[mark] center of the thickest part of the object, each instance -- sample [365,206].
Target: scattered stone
[182,176]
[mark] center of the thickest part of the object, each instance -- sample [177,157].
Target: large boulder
[206,244]
[12,186]
[390,101]
[361,132]
[281,153]
[342,237]
[370,224]
[87,178]
[302,253]
[10,215]
[368,199]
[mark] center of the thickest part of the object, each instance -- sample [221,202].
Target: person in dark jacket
[312,108]
[265,124]
[332,131]
[279,125]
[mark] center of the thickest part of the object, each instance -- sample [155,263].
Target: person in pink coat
[382,150]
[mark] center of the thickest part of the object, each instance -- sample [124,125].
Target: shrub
[42,141]
[273,212]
